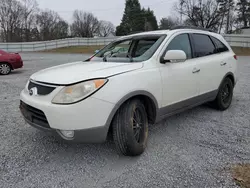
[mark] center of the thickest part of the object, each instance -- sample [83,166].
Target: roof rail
[135,32]
[191,27]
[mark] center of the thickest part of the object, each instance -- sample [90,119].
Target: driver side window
[181,42]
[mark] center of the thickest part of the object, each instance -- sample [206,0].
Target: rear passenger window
[181,42]
[203,45]
[219,45]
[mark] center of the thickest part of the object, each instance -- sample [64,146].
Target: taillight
[235,57]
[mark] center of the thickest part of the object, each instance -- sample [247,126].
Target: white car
[162,73]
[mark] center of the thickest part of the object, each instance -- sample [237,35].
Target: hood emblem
[33,91]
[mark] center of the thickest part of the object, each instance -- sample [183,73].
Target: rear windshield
[134,49]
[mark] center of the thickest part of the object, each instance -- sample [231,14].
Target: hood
[79,71]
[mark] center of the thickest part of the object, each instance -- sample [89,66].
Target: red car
[9,62]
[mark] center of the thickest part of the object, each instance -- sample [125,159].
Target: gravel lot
[192,149]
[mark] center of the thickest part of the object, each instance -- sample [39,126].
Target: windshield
[133,49]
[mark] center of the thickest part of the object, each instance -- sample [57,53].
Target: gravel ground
[192,149]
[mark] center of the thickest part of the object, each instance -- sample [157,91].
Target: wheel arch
[229,75]
[148,100]
[8,64]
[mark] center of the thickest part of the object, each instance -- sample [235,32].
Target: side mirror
[174,56]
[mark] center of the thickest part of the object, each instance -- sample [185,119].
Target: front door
[179,80]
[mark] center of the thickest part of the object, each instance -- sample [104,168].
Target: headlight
[74,93]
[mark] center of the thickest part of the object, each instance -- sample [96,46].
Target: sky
[110,10]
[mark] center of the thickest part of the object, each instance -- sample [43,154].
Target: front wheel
[130,128]
[5,68]
[224,96]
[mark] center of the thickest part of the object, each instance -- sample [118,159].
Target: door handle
[223,63]
[196,70]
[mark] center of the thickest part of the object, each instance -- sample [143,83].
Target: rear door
[208,63]
[225,56]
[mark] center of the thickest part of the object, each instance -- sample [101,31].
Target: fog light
[68,134]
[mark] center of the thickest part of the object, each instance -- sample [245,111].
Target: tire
[130,128]
[5,69]
[225,95]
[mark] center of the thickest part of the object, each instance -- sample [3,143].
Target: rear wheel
[225,95]
[5,68]
[130,128]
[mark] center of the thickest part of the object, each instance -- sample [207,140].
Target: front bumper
[91,135]
[88,118]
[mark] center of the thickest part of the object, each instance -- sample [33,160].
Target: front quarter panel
[140,81]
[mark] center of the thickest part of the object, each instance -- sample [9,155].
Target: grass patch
[76,49]
[241,174]
[241,51]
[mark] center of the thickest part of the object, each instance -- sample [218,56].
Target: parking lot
[193,149]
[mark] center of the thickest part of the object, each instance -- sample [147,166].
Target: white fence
[48,45]
[238,40]
[234,40]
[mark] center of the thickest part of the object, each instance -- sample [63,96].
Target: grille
[41,89]
[34,115]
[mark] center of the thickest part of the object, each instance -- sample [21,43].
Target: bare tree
[61,29]
[226,7]
[11,12]
[169,22]
[243,8]
[106,28]
[201,13]
[17,19]
[84,24]
[46,21]
[233,24]
[30,7]
[51,25]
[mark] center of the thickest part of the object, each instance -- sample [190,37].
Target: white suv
[157,74]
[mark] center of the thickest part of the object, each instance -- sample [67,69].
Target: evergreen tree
[136,19]
[132,20]
[150,21]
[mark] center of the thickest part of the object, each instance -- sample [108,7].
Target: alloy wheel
[225,96]
[4,69]
[138,128]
